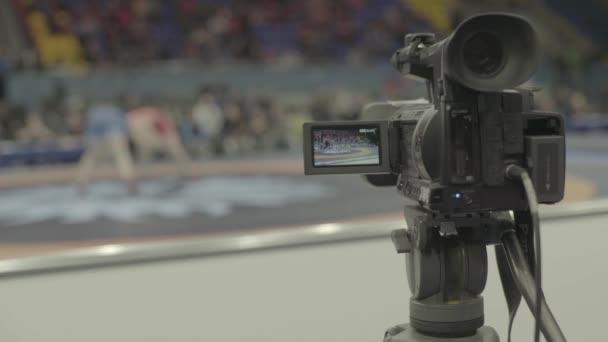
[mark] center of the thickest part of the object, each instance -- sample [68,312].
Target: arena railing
[326,233]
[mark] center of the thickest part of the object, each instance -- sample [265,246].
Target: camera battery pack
[546,160]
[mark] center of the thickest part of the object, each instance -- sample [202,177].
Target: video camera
[449,155]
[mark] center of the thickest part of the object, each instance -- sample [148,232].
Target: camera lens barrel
[491,52]
[483,54]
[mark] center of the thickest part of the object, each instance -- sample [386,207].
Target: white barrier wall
[339,292]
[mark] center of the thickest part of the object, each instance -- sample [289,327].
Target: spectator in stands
[139,45]
[53,37]
[240,40]
[416,22]
[208,119]
[128,32]
[259,127]
[603,99]
[106,131]
[394,23]
[12,119]
[579,103]
[53,108]
[37,25]
[277,130]
[344,105]
[233,133]
[4,67]
[117,26]
[5,132]
[320,105]
[34,131]
[346,36]
[89,27]
[316,44]
[377,41]
[74,112]
[202,45]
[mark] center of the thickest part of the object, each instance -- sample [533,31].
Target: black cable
[517,172]
[525,282]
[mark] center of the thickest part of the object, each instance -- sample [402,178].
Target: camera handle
[446,264]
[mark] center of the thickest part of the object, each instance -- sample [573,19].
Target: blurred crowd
[218,121]
[75,33]
[80,35]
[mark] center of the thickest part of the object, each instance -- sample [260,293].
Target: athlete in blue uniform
[107,131]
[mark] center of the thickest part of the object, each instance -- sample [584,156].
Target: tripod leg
[525,282]
[509,286]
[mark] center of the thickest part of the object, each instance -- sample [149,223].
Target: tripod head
[446,263]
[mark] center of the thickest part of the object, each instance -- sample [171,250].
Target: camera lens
[483,54]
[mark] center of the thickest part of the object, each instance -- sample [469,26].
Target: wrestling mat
[42,210]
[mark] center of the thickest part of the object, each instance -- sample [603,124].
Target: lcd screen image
[354,146]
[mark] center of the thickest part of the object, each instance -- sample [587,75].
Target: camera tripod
[446,263]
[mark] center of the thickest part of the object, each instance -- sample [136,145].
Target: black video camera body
[450,155]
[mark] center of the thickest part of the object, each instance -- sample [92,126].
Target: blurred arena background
[216,92]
